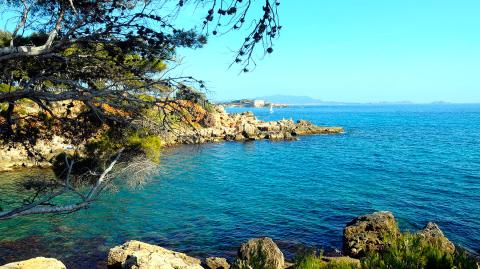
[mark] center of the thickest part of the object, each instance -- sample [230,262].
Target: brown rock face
[217,263]
[35,263]
[432,233]
[369,233]
[259,253]
[139,255]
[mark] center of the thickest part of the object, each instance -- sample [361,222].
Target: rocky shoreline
[215,126]
[219,126]
[362,235]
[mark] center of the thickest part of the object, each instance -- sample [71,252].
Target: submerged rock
[139,255]
[432,233]
[35,263]
[217,263]
[369,233]
[260,253]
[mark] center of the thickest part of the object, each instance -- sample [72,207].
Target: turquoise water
[422,162]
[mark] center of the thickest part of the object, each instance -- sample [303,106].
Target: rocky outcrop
[221,126]
[16,156]
[259,253]
[432,233]
[139,255]
[214,126]
[369,233]
[35,263]
[217,263]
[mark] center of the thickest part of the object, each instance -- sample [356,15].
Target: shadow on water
[75,254]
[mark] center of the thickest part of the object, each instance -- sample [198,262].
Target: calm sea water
[422,162]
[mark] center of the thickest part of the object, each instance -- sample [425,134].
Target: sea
[421,162]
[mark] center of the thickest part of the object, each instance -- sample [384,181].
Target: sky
[355,51]
[351,51]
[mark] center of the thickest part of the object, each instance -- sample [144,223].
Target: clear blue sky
[357,51]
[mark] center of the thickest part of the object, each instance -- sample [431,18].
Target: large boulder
[217,263]
[259,253]
[432,233]
[369,233]
[35,263]
[248,130]
[139,255]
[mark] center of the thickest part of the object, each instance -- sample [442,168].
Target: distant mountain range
[291,99]
[307,100]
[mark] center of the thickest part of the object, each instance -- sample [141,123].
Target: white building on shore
[258,103]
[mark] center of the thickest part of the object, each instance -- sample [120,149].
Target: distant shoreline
[358,104]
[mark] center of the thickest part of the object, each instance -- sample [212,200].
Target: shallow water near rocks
[422,162]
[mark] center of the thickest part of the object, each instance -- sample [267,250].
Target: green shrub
[148,144]
[411,251]
[136,140]
[313,261]
[5,38]
[408,251]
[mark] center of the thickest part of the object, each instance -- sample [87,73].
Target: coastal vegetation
[409,251]
[98,75]
[89,89]
[425,249]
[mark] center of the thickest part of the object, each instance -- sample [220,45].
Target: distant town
[257,103]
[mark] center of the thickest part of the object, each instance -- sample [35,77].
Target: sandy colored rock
[260,253]
[217,263]
[35,263]
[139,255]
[369,233]
[213,126]
[432,233]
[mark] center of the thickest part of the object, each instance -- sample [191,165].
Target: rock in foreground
[259,253]
[432,233]
[139,255]
[35,263]
[368,233]
[217,263]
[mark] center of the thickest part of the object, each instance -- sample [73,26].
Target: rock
[260,253]
[239,137]
[367,233]
[304,127]
[275,136]
[432,233]
[269,127]
[217,263]
[139,255]
[249,115]
[249,130]
[289,136]
[212,120]
[214,125]
[35,263]
[220,109]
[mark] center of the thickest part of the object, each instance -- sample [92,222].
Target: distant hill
[290,99]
